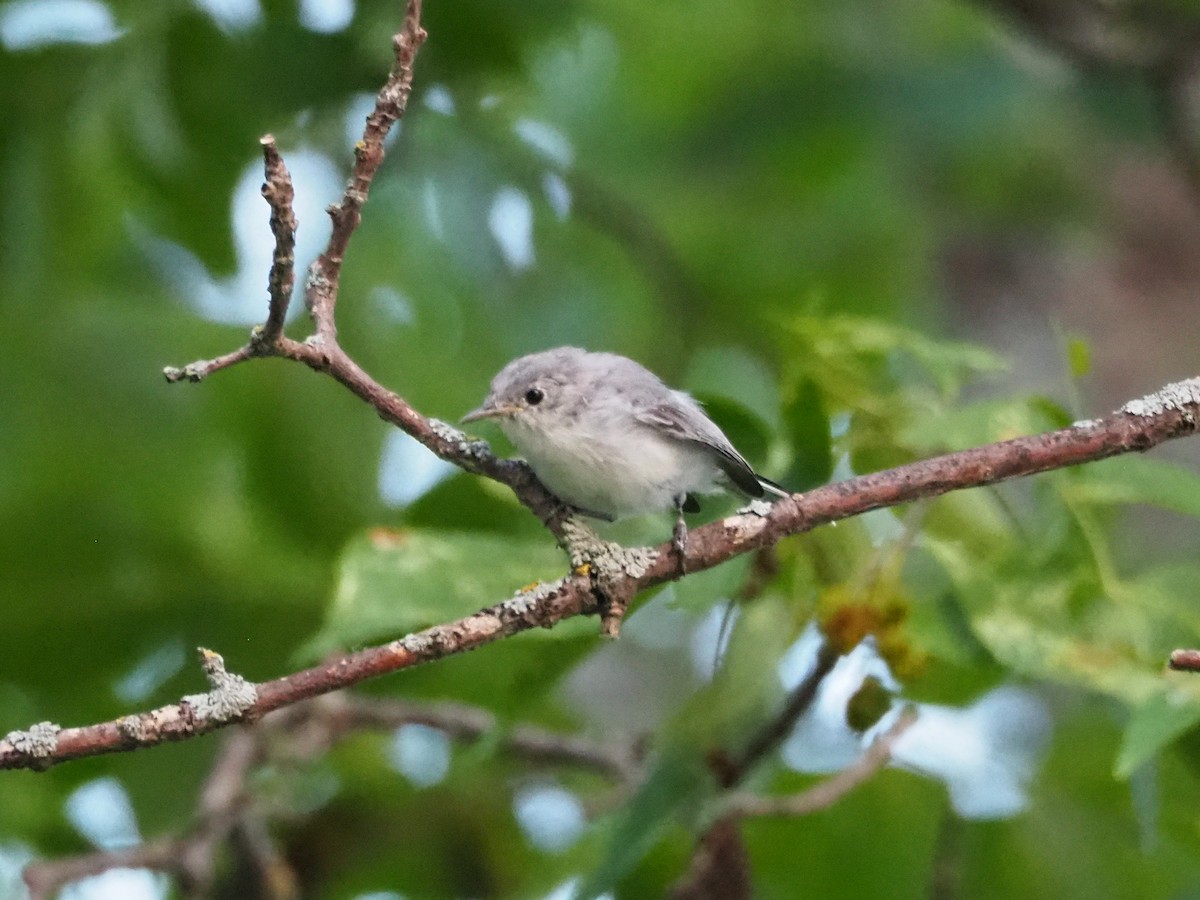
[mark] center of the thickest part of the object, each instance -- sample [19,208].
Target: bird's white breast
[618,468]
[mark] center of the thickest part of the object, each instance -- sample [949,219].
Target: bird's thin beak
[488,411]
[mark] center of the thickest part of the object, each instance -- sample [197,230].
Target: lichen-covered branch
[1171,412]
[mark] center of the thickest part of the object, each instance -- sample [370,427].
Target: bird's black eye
[534,396]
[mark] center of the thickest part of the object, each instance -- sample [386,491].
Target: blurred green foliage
[752,199]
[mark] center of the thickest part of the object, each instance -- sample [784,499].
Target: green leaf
[394,582]
[982,423]
[842,352]
[677,781]
[1156,723]
[806,424]
[974,520]
[745,430]
[1031,618]
[700,590]
[735,374]
[1133,479]
[1079,357]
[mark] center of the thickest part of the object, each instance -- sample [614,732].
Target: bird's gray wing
[685,421]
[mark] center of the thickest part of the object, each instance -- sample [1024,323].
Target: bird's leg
[679,536]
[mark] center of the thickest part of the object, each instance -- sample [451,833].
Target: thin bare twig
[321,287]
[324,275]
[321,351]
[468,723]
[44,878]
[315,726]
[719,869]
[202,368]
[824,795]
[798,703]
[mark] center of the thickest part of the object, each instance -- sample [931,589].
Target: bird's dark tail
[770,487]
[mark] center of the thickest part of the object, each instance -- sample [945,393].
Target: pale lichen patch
[756,508]
[1179,395]
[38,741]
[610,560]
[231,694]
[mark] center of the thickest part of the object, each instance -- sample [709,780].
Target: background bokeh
[862,232]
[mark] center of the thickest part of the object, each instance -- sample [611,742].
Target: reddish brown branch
[187,719]
[1140,425]
[1185,660]
[443,440]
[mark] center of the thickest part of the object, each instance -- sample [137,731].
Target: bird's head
[536,392]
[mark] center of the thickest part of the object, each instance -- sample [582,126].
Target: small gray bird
[606,436]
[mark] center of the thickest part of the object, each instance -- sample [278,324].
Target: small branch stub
[1185,660]
[202,368]
[231,694]
[277,190]
[612,568]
